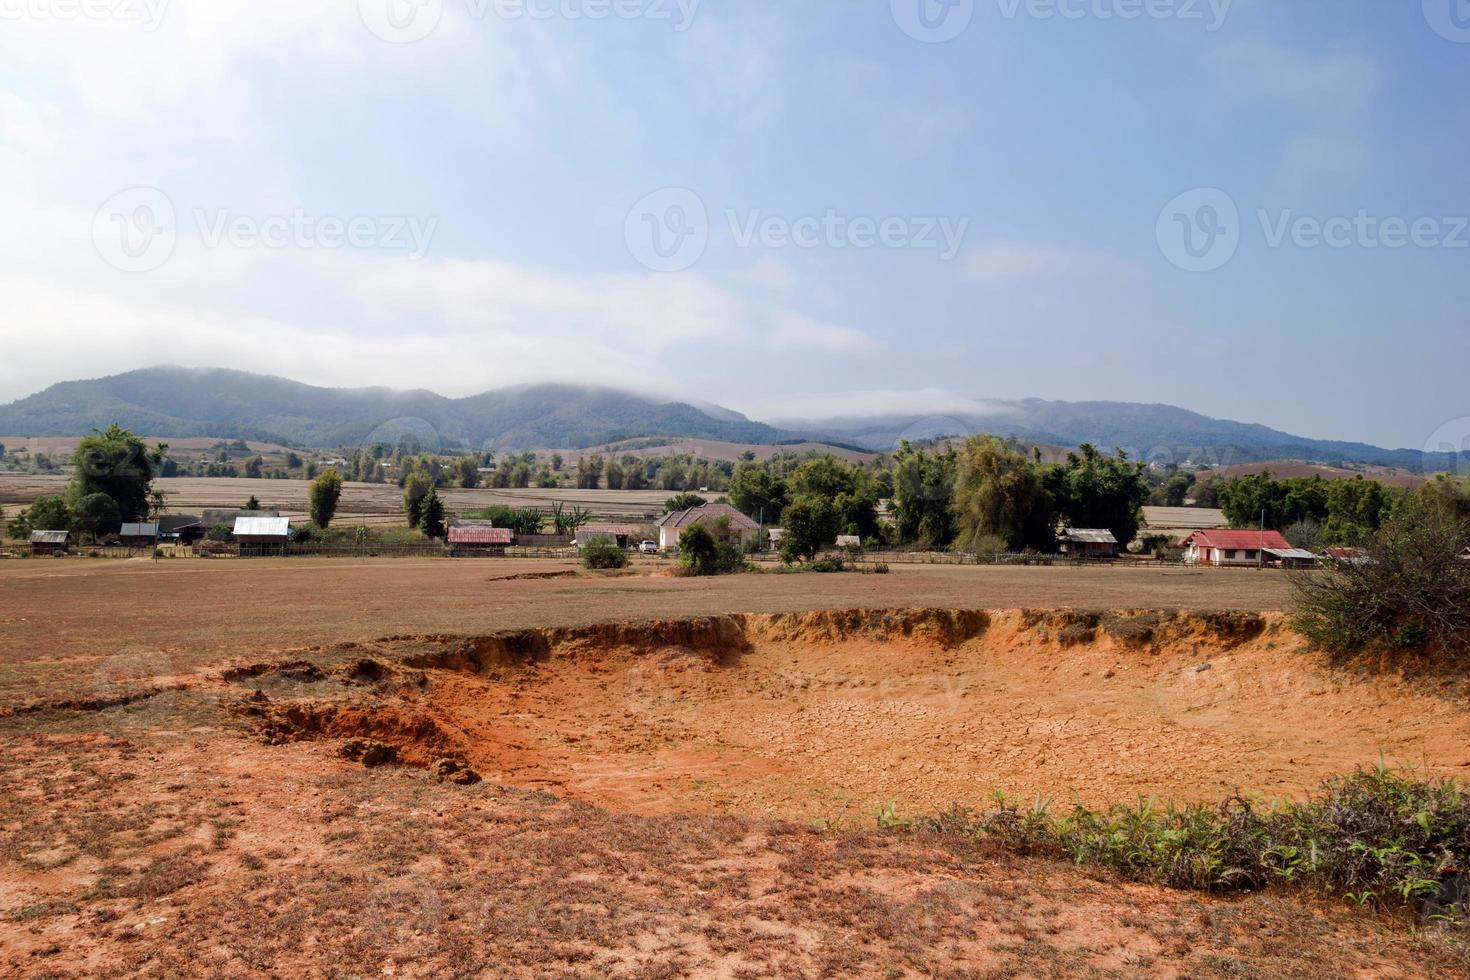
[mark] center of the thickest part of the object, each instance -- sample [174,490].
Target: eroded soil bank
[833,714]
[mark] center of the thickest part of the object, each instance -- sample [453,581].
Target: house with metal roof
[743,530]
[1081,542]
[478,538]
[262,535]
[49,542]
[139,535]
[1217,547]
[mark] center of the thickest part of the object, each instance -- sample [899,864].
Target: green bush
[701,553]
[1375,837]
[604,553]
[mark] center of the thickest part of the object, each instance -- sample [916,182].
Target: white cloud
[796,331]
[934,404]
[1006,262]
[1331,86]
[768,272]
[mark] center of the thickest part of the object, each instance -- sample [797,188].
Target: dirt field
[362,503]
[657,756]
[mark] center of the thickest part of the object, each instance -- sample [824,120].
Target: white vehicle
[648,547]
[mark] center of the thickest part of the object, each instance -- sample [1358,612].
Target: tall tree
[998,492]
[117,463]
[431,514]
[1092,490]
[326,491]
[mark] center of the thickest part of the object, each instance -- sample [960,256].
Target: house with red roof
[478,538]
[1216,547]
[742,529]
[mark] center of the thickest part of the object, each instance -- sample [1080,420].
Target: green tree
[811,524]
[97,515]
[431,514]
[923,488]
[325,492]
[253,503]
[44,514]
[116,463]
[683,501]
[468,472]
[253,467]
[1092,490]
[612,474]
[999,492]
[415,489]
[758,493]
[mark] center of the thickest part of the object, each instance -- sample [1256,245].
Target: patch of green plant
[1376,837]
[604,554]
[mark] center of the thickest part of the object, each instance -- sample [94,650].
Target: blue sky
[458,196]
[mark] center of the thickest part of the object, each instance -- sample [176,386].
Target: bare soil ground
[173,798]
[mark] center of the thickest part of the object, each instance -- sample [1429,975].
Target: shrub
[326,491]
[1410,588]
[701,553]
[1375,837]
[604,553]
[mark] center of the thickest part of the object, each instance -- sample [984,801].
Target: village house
[139,535]
[616,533]
[1219,548]
[262,535]
[49,542]
[478,538]
[1078,542]
[743,530]
[184,528]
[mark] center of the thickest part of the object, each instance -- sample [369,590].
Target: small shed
[184,528]
[49,542]
[849,541]
[262,535]
[1291,557]
[227,518]
[1081,542]
[478,538]
[616,533]
[139,535]
[774,537]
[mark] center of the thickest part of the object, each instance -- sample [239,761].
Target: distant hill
[233,404]
[185,402]
[1146,431]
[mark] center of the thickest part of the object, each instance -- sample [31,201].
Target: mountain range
[183,402]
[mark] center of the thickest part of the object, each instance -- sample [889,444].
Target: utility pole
[1261,554]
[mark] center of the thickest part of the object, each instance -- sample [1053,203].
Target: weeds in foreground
[1378,837]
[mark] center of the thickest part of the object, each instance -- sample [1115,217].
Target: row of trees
[1312,512]
[985,494]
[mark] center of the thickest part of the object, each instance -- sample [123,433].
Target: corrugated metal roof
[263,527]
[480,535]
[48,537]
[139,531]
[1293,553]
[684,518]
[1082,535]
[1238,540]
[619,530]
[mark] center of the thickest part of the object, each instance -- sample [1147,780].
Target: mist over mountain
[180,402]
